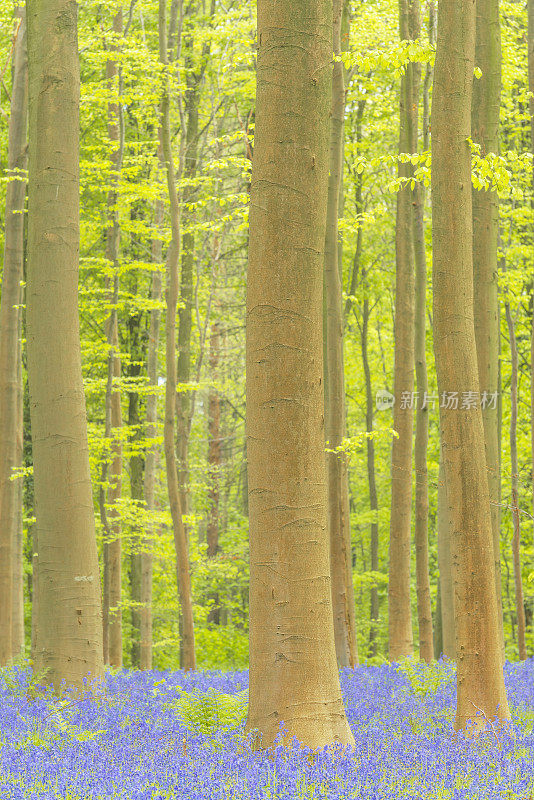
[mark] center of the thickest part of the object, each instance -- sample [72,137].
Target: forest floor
[163,735]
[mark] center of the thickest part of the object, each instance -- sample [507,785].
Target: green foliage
[211,713]
[221,647]
[425,679]
[56,732]
[393,58]
[524,716]
[55,729]
[352,446]
[10,676]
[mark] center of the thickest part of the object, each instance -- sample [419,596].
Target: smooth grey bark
[293,670]
[338,489]
[399,608]
[183,577]
[69,624]
[10,354]
[480,682]
[485,131]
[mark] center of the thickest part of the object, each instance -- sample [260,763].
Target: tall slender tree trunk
[371,476]
[194,78]
[136,481]
[438,624]
[69,625]
[445,564]
[17,620]
[113,547]
[514,464]
[485,131]
[214,444]
[400,614]
[10,355]
[214,461]
[187,644]
[479,664]
[293,670]
[530,36]
[424,607]
[149,489]
[30,550]
[338,490]
[445,624]
[358,207]
[192,101]
[105,498]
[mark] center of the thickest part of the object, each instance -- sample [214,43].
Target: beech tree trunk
[530,37]
[194,77]
[136,479]
[514,464]
[371,475]
[480,680]
[10,354]
[192,100]
[445,565]
[293,671]
[424,607]
[112,547]
[69,624]
[358,208]
[400,614]
[149,489]
[485,131]
[438,624]
[338,489]
[17,620]
[214,445]
[214,461]
[187,643]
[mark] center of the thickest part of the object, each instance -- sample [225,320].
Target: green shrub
[210,713]
[425,679]
[222,647]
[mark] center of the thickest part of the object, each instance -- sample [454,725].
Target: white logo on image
[384,400]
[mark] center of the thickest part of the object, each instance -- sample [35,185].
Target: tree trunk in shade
[149,488]
[424,607]
[445,566]
[371,476]
[136,480]
[530,39]
[17,620]
[112,544]
[338,490]
[194,72]
[187,639]
[400,613]
[10,355]
[214,461]
[514,465]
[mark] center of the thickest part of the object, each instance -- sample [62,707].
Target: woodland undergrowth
[164,735]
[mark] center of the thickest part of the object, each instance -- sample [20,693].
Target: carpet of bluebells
[137,740]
